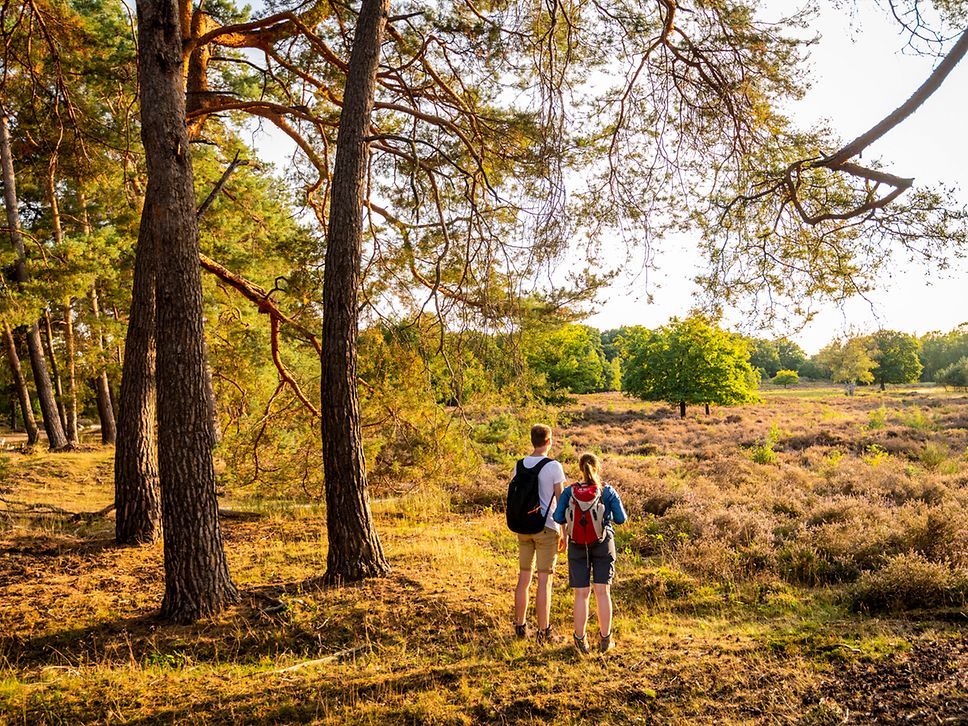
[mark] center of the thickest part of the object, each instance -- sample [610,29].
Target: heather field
[800,560]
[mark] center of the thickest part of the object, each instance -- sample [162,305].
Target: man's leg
[603,604]
[521,597]
[542,600]
[526,553]
[581,610]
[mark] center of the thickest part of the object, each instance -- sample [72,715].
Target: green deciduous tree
[691,361]
[895,357]
[954,375]
[849,362]
[791,355]
[786,378]
[765,357]
[815,367]
[940,350]
[570,359]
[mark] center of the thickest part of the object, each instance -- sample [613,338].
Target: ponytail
[589,465]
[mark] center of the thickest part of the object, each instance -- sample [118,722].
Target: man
[540,549]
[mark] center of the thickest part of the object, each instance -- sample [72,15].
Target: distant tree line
[692,361]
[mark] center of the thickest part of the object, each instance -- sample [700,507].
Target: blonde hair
[590,465]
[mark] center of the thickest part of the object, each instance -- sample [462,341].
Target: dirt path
[928,684]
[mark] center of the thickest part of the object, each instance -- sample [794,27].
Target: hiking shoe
[521,631]
[581,643]
[548,636]
[606,644]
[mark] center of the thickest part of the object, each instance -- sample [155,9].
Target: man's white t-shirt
[550,474]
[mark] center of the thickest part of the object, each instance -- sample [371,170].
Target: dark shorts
[591,563]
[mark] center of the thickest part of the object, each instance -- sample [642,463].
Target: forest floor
[801,560]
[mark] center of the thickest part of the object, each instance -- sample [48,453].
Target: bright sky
[860,76]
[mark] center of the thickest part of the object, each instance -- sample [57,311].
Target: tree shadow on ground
[48,545]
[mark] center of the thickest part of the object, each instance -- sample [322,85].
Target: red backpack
[585,516]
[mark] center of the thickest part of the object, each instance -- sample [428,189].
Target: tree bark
[137,496]
[48,406]
[354,547]
[71,343]
[197,581]
[102,386]
[20,383]
[682,409]
[68,403]
[48,341]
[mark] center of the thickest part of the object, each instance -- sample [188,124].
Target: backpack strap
[537,467]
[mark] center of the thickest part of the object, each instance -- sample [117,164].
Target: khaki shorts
[542,546]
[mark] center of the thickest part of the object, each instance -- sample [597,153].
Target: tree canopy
[849,362]
[690,361]
[895,357]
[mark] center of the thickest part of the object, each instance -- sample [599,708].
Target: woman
[588,509]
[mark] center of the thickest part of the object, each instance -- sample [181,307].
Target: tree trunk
[48,340]
[137,497]
[102,387]
[197,581]
[68,403]
[707,409]
[30,424]
[354,547]
[682,409]
[48,406]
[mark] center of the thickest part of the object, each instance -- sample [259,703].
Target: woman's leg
[581,610]
[603,605]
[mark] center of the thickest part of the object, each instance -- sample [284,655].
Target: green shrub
[807,564]
[917,420]
[932,456]
[496,431]
[663,584]
[877,419]
[909,582]
[875,455]
[763,453]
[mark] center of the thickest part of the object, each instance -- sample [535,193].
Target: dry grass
[743,594]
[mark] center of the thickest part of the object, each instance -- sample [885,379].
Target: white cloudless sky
[860,73]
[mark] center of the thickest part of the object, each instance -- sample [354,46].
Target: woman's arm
[559,515]
[615,508]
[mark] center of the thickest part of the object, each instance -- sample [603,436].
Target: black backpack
[524,506]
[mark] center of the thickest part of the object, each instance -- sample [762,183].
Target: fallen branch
[238,514]
[318,661]
[27,509]
[37,509]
